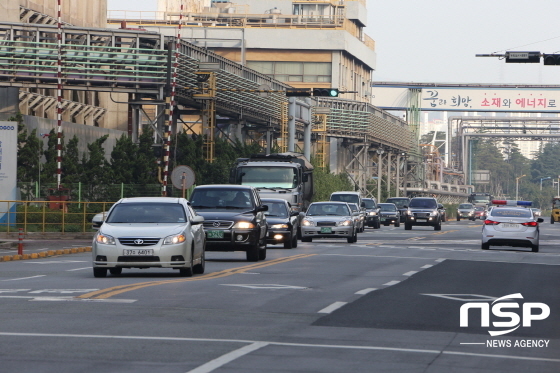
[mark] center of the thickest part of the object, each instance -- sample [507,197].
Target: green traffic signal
[325,92]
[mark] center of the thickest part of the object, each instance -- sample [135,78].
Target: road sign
[177,177]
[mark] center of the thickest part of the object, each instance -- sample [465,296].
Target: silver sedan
[150,232]
[511,226]
[329,220]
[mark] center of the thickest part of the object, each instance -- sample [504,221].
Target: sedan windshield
[399,202]
[147,212]
[388,207]
[465,206]
[370,204]
[276,209]
[328,209]
[221,199]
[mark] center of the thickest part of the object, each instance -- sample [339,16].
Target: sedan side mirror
[262,208]
[540,220]
[197,220]
[405,206]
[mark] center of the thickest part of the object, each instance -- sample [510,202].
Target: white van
[349,197]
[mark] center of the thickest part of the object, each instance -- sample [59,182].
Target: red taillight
[530,224]
[491,222]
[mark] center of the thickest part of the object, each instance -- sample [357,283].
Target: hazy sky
[436,40]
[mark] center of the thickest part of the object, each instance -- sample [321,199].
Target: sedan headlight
[174,239]
[244,225]
[307,223]
[105,239]
[278,226]
[372,213]
[345,223]
[434,213]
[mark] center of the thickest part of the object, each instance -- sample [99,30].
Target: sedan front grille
[217,224]
[422,214]
[138,258]
[139,241]
[326,224]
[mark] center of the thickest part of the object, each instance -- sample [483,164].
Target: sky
[435,41]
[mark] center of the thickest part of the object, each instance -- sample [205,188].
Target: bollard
[20,243]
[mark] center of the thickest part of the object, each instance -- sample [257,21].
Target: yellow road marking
[445,232]
[415,238]
[374,244]
[109,292]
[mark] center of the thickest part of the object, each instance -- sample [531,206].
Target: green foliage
[327,183]
[48,174]
[72,169]
[30,149]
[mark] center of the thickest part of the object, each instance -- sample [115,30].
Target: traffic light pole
[291,123]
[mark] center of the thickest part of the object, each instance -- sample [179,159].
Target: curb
[45,254]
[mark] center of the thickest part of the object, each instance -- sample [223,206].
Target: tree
[145,167]
[48,175]
[30,149]
[97,172]
[71,166]
[123,160]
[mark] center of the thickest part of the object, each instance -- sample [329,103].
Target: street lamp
[544,178]
[380,152]
[517,186]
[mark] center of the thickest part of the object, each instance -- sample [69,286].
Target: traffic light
[325,92]
[551,59]
[298,92]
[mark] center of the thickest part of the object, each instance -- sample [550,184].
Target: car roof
[150,199]
[330,203]
[400,198]
[225,186]
[387,203]
[348,192]
[273,200]
[423,198]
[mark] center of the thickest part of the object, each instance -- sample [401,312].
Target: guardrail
[49,216]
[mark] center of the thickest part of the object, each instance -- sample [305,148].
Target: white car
[329,220]
[149,232]
[511,226]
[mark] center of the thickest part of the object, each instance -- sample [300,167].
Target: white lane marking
[380,256]
[24,278]
[427,266]
[332,307]
[266,286]
[440,260]
[78,269]
[365,291]
[366,348]
[65,299]
[229,357]
[410,273]
[58,261]
[391,283]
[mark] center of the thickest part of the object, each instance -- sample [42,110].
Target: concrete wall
[86,13]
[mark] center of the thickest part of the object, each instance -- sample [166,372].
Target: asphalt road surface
[390,302]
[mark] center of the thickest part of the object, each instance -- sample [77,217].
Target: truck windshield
[269,177]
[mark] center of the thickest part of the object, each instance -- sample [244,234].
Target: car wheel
[99,272]
[187,272]
[253,253]
[535,248]
[288,244]
[551,220]
[115,271]
[437,227]
[377,225]
[397,224]
[407,226]
[262,254]
[458,219]
[306,239]
[485,246]
[199,268]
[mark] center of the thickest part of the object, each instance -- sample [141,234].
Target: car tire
[306,239]
[187,272]
[253,253]
[437,227]
[262,254]
[200,268]
[99,272]
[535,248]
[115,271]
[289,244]
[377,225]
[458,219]
[397,224]
[551,220]
[407,226]
[485,246]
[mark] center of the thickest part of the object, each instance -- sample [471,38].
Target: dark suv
[372,213]
[234,219]
[423,211]
[401,203]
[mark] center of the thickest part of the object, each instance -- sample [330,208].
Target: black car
[423,211]
[402,205]
[283,223]
[389,214]
[234,219]
[442,212]
[372,213]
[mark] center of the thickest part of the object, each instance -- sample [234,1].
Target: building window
[307,72]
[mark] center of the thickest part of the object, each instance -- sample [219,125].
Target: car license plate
[383,219]
[138,252]
[215,234]
[326,230]
[506,225]
[421,220]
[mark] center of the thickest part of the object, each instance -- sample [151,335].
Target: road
[389,302]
